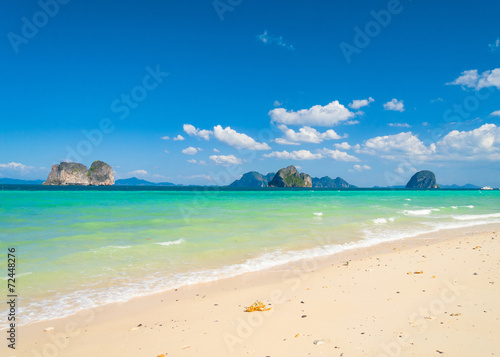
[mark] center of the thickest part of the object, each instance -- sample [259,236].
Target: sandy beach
[431,295]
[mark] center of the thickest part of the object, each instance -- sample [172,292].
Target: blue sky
[370,91]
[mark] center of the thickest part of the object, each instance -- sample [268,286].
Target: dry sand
[376,305]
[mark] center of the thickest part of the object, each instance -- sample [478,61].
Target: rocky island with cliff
[72,173]
[288,177]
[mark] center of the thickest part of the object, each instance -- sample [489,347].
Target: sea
[82,247]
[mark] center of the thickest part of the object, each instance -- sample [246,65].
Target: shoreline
[324,253]
[87,331]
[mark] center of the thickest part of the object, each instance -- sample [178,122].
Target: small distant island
[288,177]
[423,179]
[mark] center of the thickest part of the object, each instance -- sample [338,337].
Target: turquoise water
[79,249]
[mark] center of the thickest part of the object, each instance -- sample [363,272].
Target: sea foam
[178,241]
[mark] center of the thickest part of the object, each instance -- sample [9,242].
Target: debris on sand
[257,306]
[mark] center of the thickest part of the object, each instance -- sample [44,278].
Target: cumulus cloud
[361,167]
[277,103]
[360,103]
[192,131]
[393,146]
[305,134]
[328,115]
[338,155]
[343,146]
[190,150]
[165,138]
[399,125]
[266,38]
[179,138]
[192,161]
[294,155]
[226,160]
[215,150]
[395,105]
[238,140]
[139,172]
[482,143]
[472,79]
[16,166]
[496,113]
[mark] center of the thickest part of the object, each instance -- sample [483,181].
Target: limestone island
[72,173]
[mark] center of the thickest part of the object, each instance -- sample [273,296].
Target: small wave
[108,248]
[420,212]
[380,220]
[318,214]
[178,241]
[470,206]
[470,217]
[408,199]
[18,275]
[454,207]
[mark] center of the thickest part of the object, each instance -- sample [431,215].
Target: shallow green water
[77,249]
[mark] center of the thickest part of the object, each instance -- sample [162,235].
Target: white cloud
[179,138]
[226,160]
[205,177]
[282,141]
[156,176]
[472,79]
[238,140]
[495,45]
[268,39]
[392,146]
[166,151]
[482,143]
[338,155]
[361,167]
[139,172]
[294,155]
[306,134]
[360,103]
[496,113]
[192,131]
[190,150]
[328,115]
[165,138]
[277,103]
[215,150]
[399,125]
[395,105]
[16,166]
[343,146]
[192,161]
[406,169]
